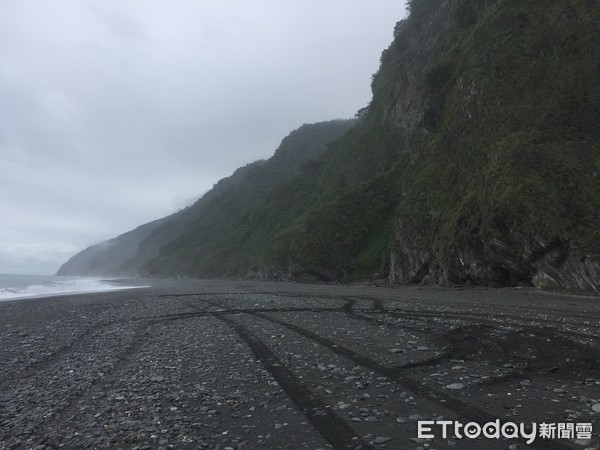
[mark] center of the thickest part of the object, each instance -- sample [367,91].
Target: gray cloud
[113,112]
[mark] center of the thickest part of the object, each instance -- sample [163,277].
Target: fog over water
[117,113]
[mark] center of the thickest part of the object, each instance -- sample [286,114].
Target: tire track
[464,410]
[496,307]
[119,362]
[62,407]
[378,304]
[395,374]
[77,343]
[428,316]
[328,424]
[517,374]
[481,318]
[378,307]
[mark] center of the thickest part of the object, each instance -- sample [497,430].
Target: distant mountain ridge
[128,253]
[476,162]
[110,257]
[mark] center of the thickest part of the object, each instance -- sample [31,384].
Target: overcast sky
[114,113]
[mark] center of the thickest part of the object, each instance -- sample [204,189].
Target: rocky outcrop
[577,271]
[502,186]
[549,266]
[476,162]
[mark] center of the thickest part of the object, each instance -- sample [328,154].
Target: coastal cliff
[476,162]
[503,186]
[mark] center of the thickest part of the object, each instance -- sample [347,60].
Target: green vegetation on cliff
[505,184]
[210,243]
[477,161]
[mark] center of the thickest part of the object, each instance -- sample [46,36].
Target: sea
[30,286]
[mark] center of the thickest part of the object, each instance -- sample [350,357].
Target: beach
[216,364]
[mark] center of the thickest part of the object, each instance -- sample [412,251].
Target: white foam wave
[28,287]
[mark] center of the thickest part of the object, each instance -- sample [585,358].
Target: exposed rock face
[407,107]
[546,266]
[476,162]
[503,184]
[577,271]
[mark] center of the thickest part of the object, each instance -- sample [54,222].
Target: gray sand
[223,364]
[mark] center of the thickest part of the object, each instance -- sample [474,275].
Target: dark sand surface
[229,365]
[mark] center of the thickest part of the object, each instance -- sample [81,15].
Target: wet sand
[224,364]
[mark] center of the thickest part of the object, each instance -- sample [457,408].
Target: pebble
[193,406]
[415,417]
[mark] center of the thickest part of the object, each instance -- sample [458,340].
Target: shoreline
[146,282]
[106,285]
